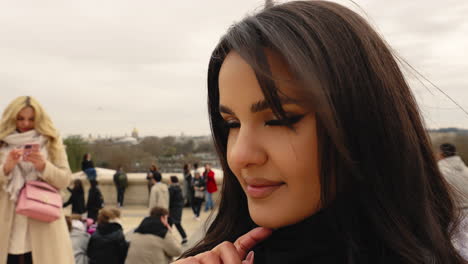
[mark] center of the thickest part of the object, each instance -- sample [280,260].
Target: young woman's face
[276,166]
[25,120]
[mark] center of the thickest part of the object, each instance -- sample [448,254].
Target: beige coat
[159,196]
[50,242]
[152,249]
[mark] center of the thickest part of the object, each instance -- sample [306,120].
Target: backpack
[122,179]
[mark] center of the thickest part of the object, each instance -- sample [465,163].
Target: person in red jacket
[209,177]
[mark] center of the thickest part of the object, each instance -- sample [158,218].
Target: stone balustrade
[137,190]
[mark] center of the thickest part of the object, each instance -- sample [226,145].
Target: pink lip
[261,188]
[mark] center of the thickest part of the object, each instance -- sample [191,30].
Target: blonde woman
[25,240]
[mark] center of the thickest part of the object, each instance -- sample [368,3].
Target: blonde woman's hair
[42,123]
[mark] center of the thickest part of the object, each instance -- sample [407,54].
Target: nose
[246,149]
[25,123]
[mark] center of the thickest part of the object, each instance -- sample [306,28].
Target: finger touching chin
[209,257]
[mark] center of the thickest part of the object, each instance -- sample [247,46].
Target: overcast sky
[107,66]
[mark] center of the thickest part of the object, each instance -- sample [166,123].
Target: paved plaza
[133,215]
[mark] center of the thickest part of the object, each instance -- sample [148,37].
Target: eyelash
[289,121]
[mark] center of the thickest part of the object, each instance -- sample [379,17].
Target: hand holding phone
[29,148]
[32,154]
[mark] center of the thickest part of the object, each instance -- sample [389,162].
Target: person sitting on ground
[78,222]
[108,245]
[153,241]
[176,205]
[79,239]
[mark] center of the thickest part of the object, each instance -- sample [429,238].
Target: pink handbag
[39,200]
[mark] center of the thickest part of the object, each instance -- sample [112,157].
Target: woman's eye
[231,124]
[284,122]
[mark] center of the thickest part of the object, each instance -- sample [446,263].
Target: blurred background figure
[31,150]
[87,166]
[79,239]
[198,194]
[153,172]
[188,189]
[159,195]
[176,205]
[121,182]
[95,201]
[108,245]
[153,241]
[76,199]
[209,177]
[455,172]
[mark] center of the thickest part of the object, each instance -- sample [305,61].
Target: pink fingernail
[250,257]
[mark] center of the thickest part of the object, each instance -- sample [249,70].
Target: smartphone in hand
[29,148]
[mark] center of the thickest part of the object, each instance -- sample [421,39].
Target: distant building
[126,140]
[135,133]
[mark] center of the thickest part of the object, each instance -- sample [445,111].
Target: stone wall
[137,190]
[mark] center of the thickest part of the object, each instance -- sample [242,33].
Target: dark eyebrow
[225,109]
[263,104]
[258,106]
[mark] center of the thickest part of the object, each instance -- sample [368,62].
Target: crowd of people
[105,242]
[166,201]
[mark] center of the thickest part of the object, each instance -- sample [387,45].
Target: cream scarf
[23,171]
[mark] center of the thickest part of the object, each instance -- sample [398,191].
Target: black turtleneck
[312,240]
[318,240]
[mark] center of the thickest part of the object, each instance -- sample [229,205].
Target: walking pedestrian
[211,187]
[199,195]
[121,183]
[176,205]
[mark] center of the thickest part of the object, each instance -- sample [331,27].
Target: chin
[269,217]
[275,217]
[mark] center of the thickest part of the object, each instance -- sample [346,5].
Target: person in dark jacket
[176,204]
[87,166]
[77,198]
[188,189]
[198,195]
[121,182]
[95,201]
[108,245]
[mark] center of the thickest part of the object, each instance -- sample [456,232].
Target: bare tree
[268,3]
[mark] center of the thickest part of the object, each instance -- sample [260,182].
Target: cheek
[229,148]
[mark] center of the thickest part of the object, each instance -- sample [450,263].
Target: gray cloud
[104,67]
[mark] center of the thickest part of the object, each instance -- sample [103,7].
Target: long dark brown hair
[376,163]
